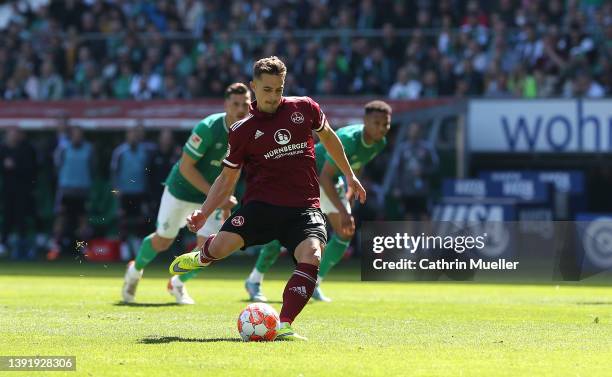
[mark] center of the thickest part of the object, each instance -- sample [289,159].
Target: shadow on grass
[146,304]
[173,339]
[595,303]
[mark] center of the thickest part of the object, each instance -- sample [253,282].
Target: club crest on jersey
[238,221]
[297,118]
[195,141]
[282,136]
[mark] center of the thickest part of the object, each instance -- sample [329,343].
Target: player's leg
[131,223]
[212,226]
[182,279]
[310,229]
[59,225]
[300,286]
[250,225]
[176,284]
[267,256]
[337,244]
[334,251]
[149,248]
[170,218]
[216,247]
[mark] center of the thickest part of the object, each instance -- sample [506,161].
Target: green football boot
[185,263]
[287,333]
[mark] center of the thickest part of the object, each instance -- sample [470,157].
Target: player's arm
[225,183]
[334,148]
[194,149]
[221,189]
[190,172]
[326,178]
[349,190]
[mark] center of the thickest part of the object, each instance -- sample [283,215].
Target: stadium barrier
[183,114]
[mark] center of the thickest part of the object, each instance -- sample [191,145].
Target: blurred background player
[186,188]
[163,158]
[129,164]
[75,162]
[282,191]
[361,142]
[417,164]
[18,173]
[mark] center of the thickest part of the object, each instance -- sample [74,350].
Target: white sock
[256,276]
[133,272]
[319,280]
[176,282]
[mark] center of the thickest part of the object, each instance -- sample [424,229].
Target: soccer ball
[258,323]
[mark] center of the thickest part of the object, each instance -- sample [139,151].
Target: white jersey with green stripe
[207,145]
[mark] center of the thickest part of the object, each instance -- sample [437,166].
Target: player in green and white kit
[361,142]
[186,187]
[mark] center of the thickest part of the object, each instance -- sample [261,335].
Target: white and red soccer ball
[258,323]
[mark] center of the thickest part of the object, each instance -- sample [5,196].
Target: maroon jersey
[277,153]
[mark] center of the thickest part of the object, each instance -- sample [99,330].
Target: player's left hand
[358,190]
[347,222]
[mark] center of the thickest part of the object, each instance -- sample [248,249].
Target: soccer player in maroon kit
[274,145]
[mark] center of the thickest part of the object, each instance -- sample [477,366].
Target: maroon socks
[298,291]
[205,257]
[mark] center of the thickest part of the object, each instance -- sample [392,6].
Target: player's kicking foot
[130,282]
[177,289]
[287,333]
[185,263]
[254,291]
[318,295]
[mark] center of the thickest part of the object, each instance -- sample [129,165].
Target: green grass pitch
[371,329]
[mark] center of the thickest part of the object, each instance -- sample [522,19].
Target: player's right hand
[196,220]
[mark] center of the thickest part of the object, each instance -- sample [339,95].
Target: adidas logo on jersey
[258,134]
[300,291]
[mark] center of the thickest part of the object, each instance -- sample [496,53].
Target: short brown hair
[270,66]
[379,106]
[235,88]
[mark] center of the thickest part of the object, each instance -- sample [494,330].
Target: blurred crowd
[410,49]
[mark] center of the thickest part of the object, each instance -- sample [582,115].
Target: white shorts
[327,206]
[173,213]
